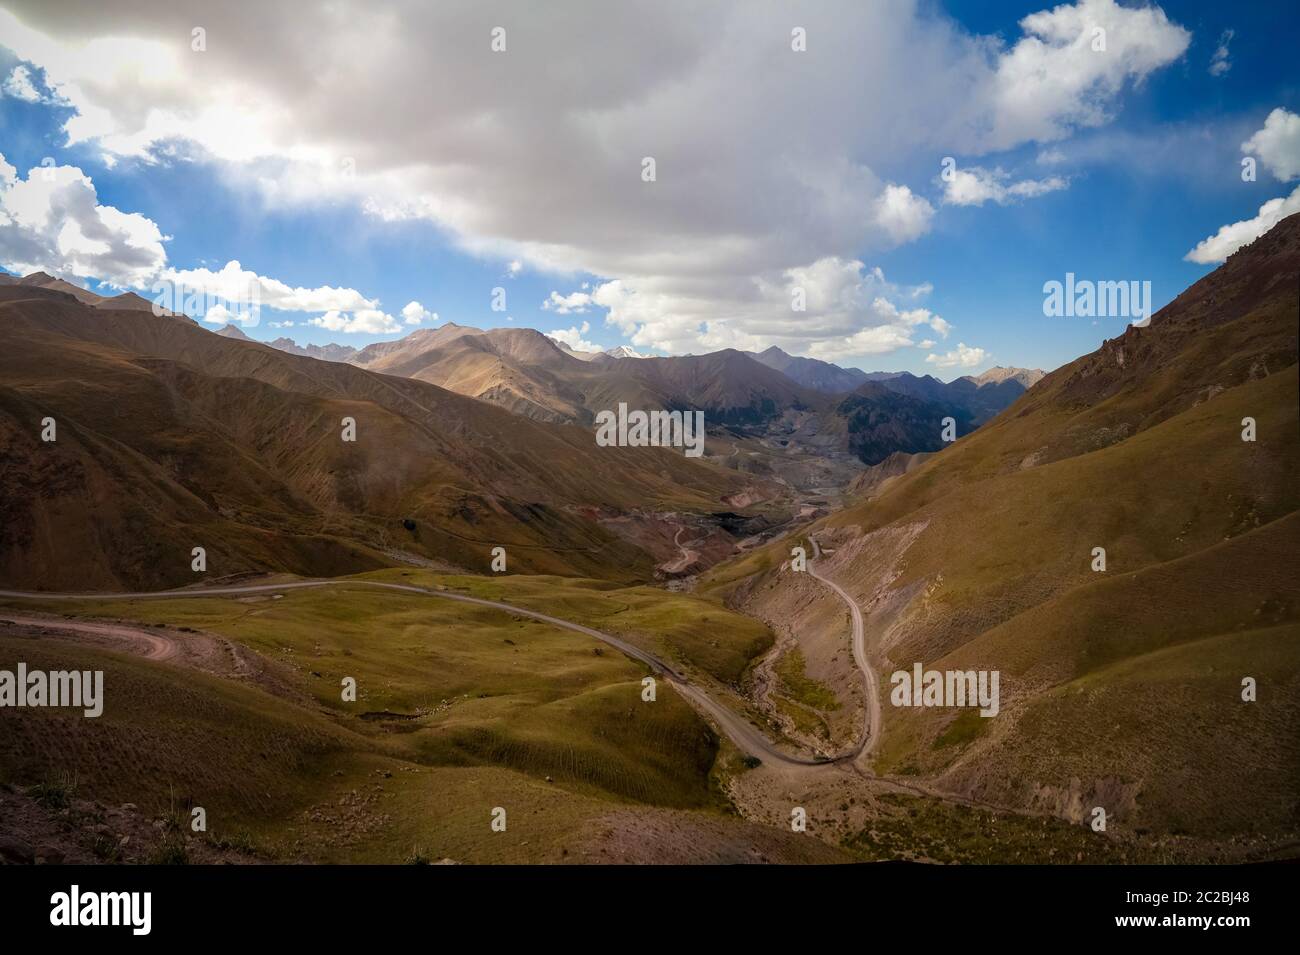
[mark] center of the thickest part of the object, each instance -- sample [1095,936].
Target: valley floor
[520,694]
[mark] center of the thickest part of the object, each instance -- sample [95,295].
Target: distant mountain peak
[622,351]
[326,352]
[1028,377]
[233,331]
[810,372]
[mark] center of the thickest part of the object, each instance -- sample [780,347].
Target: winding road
[871,720]
[735,727]
[738,729]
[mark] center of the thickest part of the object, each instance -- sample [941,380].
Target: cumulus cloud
[413,313]
[901,215]
[1277,144]
[752,183]
[234,283]
[218,314]
[974,186]
[52,220]
[1064,73]
[960,357]
[573,337]
[370,321]
[1233,236]
[564,304]
[833,309]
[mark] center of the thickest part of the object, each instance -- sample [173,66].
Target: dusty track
[157,646]
[192,649]
[748,737]
[685,557]
[871,721]
[740,731]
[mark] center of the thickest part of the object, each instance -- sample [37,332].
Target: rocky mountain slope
[1121,688]
[171,437]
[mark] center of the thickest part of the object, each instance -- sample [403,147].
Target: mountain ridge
[986,557]
[206,431]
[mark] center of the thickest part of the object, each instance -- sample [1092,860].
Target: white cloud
[236,284]
[1054,79]
[549,176]
[218,314]
[1277,144]
[413,313]
[877,340]
[573,337]
[564,304]
[19,85]
[1219,62]
[1233,236]
[52,221]
[926,343]
[960,357]
[902,215]
[370,321]
[848,310]
[974,186]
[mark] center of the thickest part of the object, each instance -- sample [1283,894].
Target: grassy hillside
[459,709]
[1119,688]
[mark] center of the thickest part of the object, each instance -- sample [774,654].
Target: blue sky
[1156,171]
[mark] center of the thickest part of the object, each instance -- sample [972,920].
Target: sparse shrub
[55,793]
[241,842]
[106,848]
[417,857]
[172,850]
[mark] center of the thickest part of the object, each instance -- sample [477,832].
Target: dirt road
[738,729]
[749,738]
[871,725]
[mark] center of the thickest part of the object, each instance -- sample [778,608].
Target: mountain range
[227,438]
[176,437]
[532,374]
